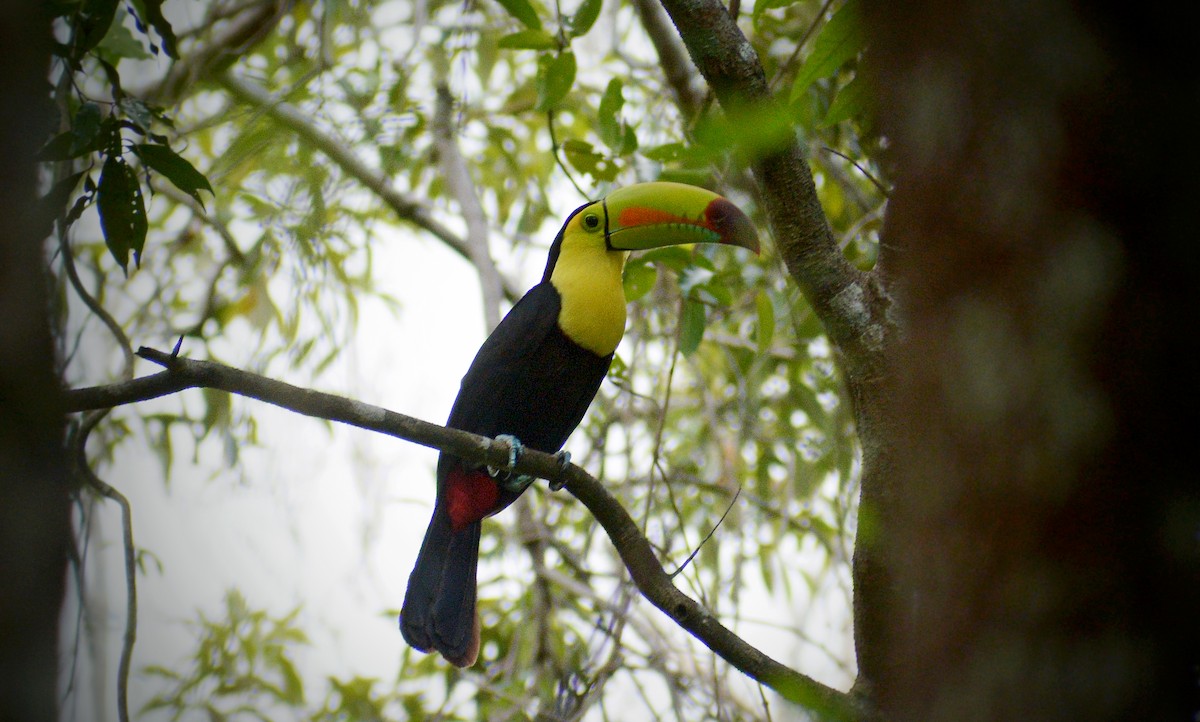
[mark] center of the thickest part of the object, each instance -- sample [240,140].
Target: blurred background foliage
[225,171]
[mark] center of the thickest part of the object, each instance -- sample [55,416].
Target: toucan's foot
[514,483]
[564,460]
[515,447]
[508,481]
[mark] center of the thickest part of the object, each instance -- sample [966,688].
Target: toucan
[535,376]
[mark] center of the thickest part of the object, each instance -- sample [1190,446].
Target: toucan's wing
[528,380]
[505,362]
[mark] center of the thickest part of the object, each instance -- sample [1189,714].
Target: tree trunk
[1032,551]
[34,512]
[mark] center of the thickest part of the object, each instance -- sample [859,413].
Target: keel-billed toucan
[534,378]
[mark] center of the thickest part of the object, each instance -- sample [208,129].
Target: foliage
[243,669]
[242,226]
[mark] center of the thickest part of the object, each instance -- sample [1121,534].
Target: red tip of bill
[734,226]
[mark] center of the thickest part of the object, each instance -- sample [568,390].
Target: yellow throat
[588,278]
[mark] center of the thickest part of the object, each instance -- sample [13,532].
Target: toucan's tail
[439,606]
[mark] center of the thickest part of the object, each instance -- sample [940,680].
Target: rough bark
[854,307]
[1037,535]
[34,522]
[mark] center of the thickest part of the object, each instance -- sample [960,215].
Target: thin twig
[677,67]
[883,191]
[708,535]
[68,258]
[130,637]
[557,158]
[766,706]
[655,456]
[787,64]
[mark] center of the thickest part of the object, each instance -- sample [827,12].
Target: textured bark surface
[1036,542]
[33,512]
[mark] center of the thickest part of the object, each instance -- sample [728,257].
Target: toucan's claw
[515,449]
[508,481]
[564,460]
[514,483]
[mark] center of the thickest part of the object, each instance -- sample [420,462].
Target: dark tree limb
[855,307]
[35,527]
[848,301]
[635,550]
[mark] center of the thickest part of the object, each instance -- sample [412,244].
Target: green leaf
[120,43]
[852,101]
[690,176]
[174,168]
[96,18]
[85,128]
[528,40]
[122,211]
[676,258]
[691,327]
[584,18]
[665,153]
[581,154]
[218,409]
[761,6]
[82,202]
[151,12]
[555,78]
[842,38]
[766,560]
[629,143]
[585,159]
[57,148]
[766,321]
[138,112]
[609,116]
[522,10]
[51,205]
[715,291]
[639,279]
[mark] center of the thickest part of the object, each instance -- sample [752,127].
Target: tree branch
[90,420]
[854,307]
[845,299]
[460,185]
[635,550]
[672,57]
[404,206]
[241,30]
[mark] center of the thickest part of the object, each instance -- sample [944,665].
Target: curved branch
[94,306]
[129,638]
[845,299]
[404,206]
[672,57]
[239,30]
[854,307]
[635,550]
[460,185]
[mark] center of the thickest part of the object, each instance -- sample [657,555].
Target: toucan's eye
[591,221]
